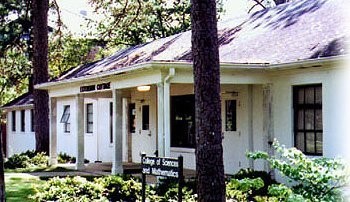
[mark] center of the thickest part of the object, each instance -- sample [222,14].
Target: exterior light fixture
[143,88]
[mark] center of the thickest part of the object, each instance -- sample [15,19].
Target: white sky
[72,17]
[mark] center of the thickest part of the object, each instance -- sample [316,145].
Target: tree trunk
[2,175]
[206,69]
[40,73]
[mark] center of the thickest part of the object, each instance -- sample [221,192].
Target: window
[182,121]
[89,118]
[308,127]
[111,122]
[13,116]
[230,115]
[32,120]
[132,116]
[65,118]
[145,117]
[23,119]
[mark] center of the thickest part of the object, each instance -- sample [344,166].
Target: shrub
[117,188]
[241,190]
[69,189]
[252,174]
[26,159]
[17,161]
[64,158]
[318,179]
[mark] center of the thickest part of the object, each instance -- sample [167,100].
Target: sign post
[166,167]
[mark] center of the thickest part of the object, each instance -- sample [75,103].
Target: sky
[72,12]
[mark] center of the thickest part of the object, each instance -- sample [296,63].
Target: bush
[117,188]
[26,159]
[64,158]
[317,179]
[17,161]
[69,189]
[253,174]
[241,190]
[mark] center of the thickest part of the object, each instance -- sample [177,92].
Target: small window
[13,116]
[308,127]
[89,118]
[23,120]
[145,117]
[65,119]
[32,120]
[231,115]
[111,122]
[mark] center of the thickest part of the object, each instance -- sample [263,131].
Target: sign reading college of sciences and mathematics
[167,167]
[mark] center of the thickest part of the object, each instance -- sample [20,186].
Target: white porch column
[79,131]
[160,119]
[166,119]
[268,125]
[53,130]
[125,129]
[117,166]
[250,123]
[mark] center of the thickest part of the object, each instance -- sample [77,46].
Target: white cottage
[283,76]
[20,135]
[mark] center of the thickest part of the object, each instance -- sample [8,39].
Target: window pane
[310,142]
[318,90]
[299,144]
[89,118]
[13,120]
[23,118]
[301,96]
[309,95]
[32,120]
[309,119]
[319,143]
[89,128]
[231,115]
[145,117]
[301,119]
[318,123]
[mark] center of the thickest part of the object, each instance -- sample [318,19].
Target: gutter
[302,64]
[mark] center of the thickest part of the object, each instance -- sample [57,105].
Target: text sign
[167,167]
[100,86]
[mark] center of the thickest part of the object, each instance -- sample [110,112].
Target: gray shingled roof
[287,33]
[25,99]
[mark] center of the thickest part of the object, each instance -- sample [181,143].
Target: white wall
[66,142]
[334,109]
[18,141]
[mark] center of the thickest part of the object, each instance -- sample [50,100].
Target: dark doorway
[183,121]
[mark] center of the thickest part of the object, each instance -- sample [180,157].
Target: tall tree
[39,12]
[206,69]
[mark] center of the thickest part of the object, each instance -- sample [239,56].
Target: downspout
[167,111]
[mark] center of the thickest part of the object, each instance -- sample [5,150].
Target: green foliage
[132,22]
[117,188]
[26,159]
[172,195]
[17,161]
[252,174]
[241,190]
[69,189]
[318,179]
[64,158]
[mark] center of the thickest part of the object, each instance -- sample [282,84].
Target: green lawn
[19,186]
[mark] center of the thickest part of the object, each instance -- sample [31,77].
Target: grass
[19,186]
